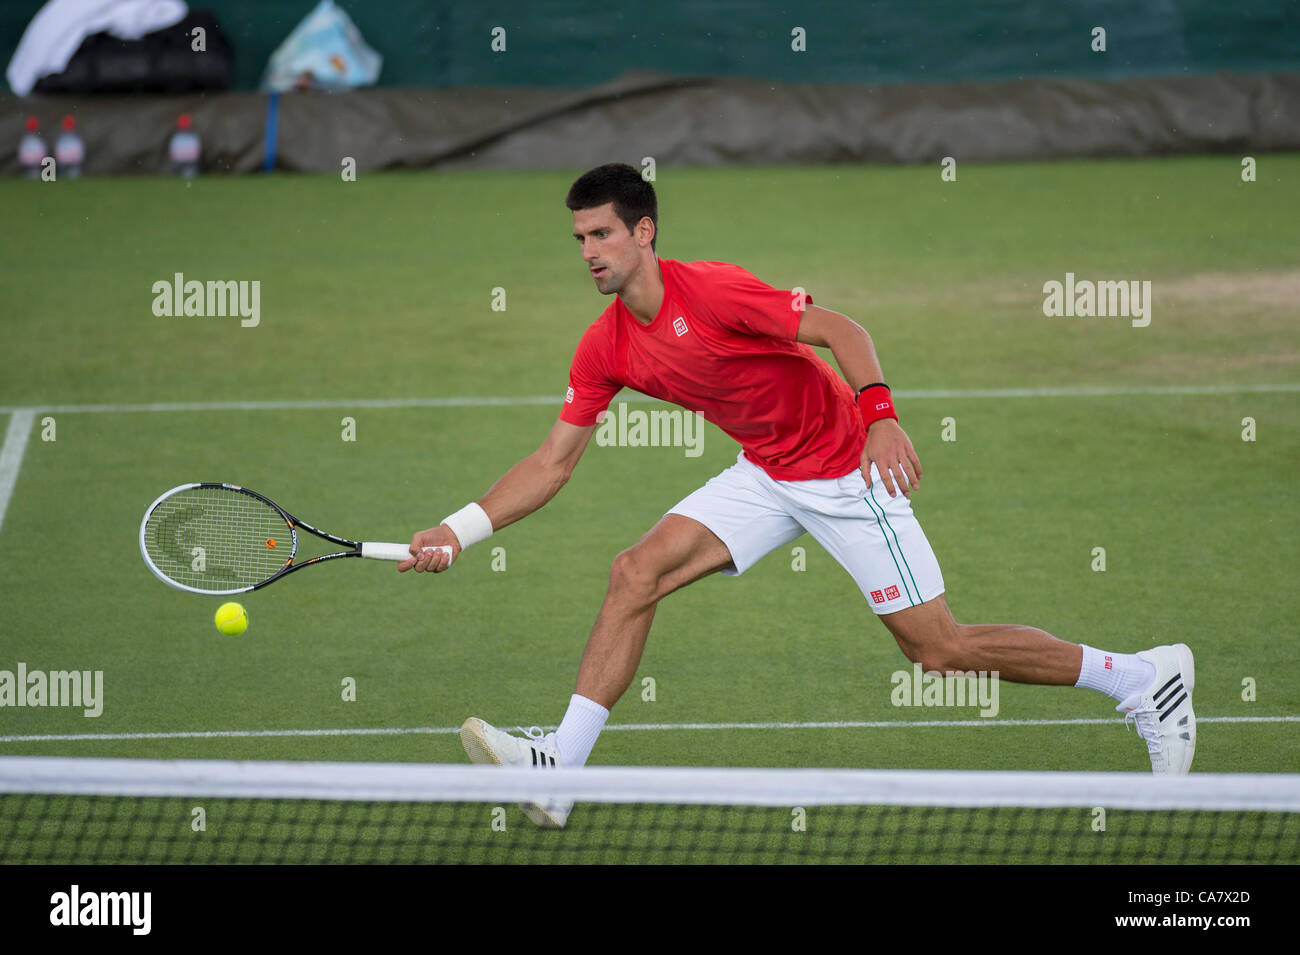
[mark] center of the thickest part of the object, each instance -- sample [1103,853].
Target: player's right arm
[525,488]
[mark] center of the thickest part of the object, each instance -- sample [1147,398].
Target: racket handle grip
[377,551]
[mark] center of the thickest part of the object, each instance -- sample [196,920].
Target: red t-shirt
[723,344]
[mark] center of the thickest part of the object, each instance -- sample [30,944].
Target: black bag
[160,62]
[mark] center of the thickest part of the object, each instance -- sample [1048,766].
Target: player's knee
[634,577]
[941,658]
[936,661]
[928,655]
[934,651]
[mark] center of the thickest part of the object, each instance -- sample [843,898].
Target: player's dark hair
[619,183]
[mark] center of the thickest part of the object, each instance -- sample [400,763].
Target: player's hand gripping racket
[225,539]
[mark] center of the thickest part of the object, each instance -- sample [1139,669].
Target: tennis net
[56,810]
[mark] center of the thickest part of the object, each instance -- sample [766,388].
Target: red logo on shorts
[891,593]
[877,597]
[1108,664]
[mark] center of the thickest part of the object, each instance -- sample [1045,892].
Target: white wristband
[470,525]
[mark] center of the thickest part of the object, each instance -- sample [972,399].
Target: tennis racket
[225,539]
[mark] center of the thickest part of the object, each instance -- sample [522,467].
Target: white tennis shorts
[874,537]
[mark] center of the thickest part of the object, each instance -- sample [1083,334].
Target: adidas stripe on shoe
[486,744]
[1163,713]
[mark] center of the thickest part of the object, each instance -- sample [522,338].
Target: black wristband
[858,394]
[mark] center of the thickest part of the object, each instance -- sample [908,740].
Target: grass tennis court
[382,290]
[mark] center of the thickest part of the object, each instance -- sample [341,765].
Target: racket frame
[290,521]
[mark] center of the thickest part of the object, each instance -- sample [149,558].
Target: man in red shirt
[819,454]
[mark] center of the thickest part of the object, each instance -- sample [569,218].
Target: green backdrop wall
[574,43]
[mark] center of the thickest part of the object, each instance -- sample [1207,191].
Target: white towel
[58,28]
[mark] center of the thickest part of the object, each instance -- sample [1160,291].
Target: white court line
[1100,392]
[11,454]
[308,404]
[633,727]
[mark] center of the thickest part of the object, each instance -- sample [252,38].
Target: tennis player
[819,454]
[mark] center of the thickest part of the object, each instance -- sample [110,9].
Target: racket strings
[217,539]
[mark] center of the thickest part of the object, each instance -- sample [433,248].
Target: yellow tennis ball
[232,619]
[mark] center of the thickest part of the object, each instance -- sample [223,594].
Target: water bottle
[31,150]
[185,148]
[69,150]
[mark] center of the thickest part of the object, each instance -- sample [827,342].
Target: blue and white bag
[324,51]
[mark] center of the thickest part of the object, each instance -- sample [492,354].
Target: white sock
[1118,675]
[577,734]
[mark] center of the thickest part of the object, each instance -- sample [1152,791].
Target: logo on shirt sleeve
[679,326]
[891,593]
[877,597]
[568,395]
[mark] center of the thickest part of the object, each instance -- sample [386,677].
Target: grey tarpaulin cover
[687,121]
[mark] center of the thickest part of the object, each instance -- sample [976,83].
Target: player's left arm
[888,446]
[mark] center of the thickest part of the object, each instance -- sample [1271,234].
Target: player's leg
[672,554]
[1153,687]
[927,634]
[675,552]
[878,540]
[726,526]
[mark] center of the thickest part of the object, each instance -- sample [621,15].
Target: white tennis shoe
[486,744]
[1163,713]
